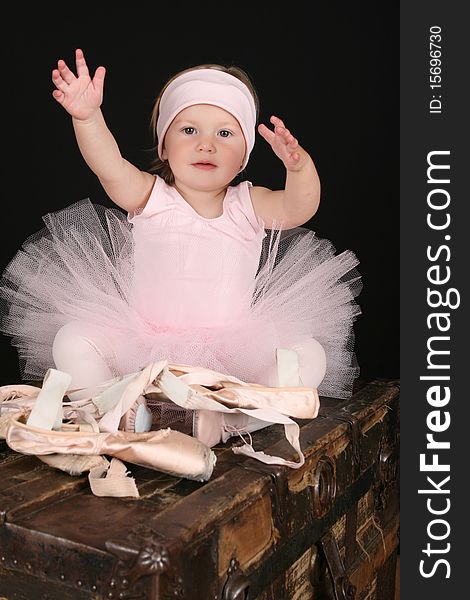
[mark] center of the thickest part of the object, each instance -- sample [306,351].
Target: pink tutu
[82,267]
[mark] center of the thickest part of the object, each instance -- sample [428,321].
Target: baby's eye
[189,130]
[225,133]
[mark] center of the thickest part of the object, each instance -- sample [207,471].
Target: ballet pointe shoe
[138,419]
[212,427]
[238,424]
[208,426]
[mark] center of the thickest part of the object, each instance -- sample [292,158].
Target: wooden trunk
[326,531]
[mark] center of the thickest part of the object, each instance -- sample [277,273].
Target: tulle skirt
[80,268]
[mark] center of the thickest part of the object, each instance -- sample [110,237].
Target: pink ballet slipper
[138,418]
[208,427]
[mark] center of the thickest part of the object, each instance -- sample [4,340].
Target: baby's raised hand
[284,144]
[80,95]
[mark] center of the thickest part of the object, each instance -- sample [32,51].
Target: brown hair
[161,167]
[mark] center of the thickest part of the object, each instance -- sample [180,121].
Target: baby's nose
[206,146]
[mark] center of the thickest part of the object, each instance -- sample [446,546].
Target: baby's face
[205,147]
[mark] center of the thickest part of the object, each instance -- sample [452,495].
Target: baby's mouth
[204,165]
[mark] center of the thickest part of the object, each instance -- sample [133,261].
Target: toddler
[191,267]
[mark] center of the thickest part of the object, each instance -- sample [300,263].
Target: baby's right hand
[81,96]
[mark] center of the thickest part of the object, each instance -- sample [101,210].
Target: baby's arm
[299,201]
[81,97]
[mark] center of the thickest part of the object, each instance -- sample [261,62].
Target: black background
[330,71]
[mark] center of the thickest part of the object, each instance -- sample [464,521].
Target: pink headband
[208,86]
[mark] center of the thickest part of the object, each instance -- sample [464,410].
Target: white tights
[80,350]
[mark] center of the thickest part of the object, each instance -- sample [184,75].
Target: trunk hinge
[343,588]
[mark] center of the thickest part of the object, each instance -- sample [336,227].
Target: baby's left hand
[284,144]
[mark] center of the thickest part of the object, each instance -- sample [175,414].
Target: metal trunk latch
[344,589]
[387,472]
[237,585]
[324,486]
